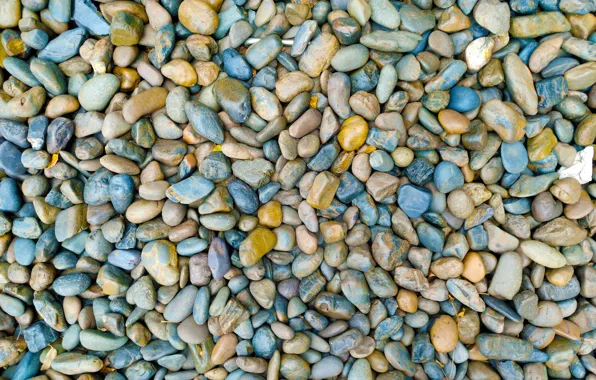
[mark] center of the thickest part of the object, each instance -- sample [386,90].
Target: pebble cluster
[343,189]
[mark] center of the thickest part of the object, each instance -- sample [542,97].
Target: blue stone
[86,15]
[39,335]
[414,200]
[47,245]
[423,42]
[564,130]
[463,99]
[577,369]
[10,161]
[365,78]
[235,65]
[191,246]
[334,210]
[234,237]
[461,40]
[514,157]
[559,66]
[325,156]
[447,77]
[205,121]
[267,191]
[65,260]
[218,258]
[24,250]
[36,133]
[433,370]
[65,46]
[508,369]
[181,31]
[487,94]
[388,328]
[60,9]
[226,19]
[429,121]
[172,6]
[539,356]
[448,177]
[122,190]
[381,161]
[165,38]
[382,139]
[124,356]
[97,188]
[126,259]
[264,342]
[29,366]
[21,71]
[57,199]
[420,171]
[549,5]
[509,179]
[349,188]
[517,206]
[384,215]
[477,238]
[466,5]
[287,61]
[271,150]
[266,77]
[10,195]
[545,166]
[431,237]
[216,167]
[36,39]
[368,209]
[200,310]
[527,51]
[551,91]
[71,284]
[129,239]
[245,198]
[422,350]
[502,307]
[190,190]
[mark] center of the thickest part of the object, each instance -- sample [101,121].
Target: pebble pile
[343,189]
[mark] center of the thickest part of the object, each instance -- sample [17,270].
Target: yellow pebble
[180,72]
[407,301]
[560,276]
[323,190]
[353,133]
[474,270]
[443,334]
[129,78]
[333,231]
[541,146]
[453,122]
[256,245]
[270,214]
[402,156]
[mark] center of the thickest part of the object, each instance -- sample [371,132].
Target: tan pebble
[474,270]
[402,156]
[306,240]
[224,349]
[407,301]
[443,334]
[560,276]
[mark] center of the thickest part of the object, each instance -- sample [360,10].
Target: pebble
[185,194]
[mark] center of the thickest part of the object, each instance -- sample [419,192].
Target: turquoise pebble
[414,200]
[448,177]
[463,99]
